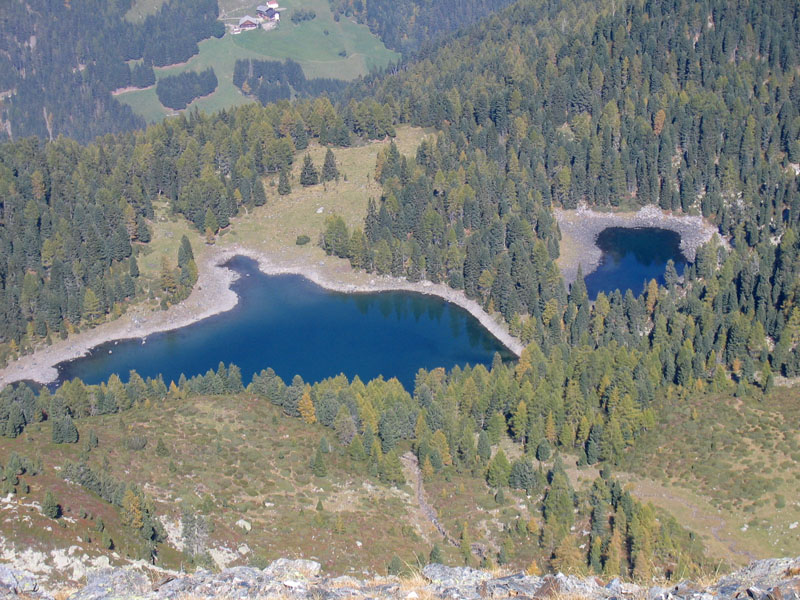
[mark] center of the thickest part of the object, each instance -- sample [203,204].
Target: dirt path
[411,466]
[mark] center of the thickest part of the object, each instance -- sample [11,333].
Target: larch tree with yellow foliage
[306,407]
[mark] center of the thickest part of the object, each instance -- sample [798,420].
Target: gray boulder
[17,581]
[300,569]
[112,584]
[441,575]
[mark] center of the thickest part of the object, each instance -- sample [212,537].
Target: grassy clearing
[308,43]
[141,9]
[735,460]
[317,44]
[219,54]
[274,228]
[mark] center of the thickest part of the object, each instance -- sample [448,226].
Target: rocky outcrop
[775,579]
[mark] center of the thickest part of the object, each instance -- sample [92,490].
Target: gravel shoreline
[212,295]
[580,228]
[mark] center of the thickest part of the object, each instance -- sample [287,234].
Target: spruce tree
[329,169]
[284,187]
[258,196]
[64,430]
[308,175]
[318,466]
[484,447]
[499,470]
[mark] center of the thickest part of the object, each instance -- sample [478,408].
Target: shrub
[50,508]
[136,442]
[302,240]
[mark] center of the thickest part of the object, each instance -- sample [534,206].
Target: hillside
[187,475]
[324,48]
[646,434]
[60,64]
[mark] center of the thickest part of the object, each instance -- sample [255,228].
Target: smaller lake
[632,257]
[296,327]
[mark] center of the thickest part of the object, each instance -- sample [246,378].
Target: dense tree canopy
[273,80]
[177,91]
[60,62]
[405,26]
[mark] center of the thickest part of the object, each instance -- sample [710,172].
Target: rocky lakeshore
[580,228]
[370,283]
[774,579]
[212,295]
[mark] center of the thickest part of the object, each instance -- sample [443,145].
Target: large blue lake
[632,257]
[296,327]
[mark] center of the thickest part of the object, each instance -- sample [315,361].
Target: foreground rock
[775,579]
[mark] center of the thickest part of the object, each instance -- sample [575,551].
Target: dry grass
[728,469]
[274,228]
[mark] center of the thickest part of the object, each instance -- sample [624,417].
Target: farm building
[268,11]
[247,22]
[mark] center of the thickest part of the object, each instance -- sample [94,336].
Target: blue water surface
[632,257]
[296,327]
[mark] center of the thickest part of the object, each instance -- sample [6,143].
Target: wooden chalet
[247,22]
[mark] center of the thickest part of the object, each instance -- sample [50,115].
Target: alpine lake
[633,256]
[294,326]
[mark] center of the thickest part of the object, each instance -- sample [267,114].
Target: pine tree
[543,451]
[329,169]
[484,447]
[558,506]
[284,187]
[318,466]
[435,556]
[396,566]
[64,430]
[308,175]
[16,421]
[499,470]
[356,449]
[211,222]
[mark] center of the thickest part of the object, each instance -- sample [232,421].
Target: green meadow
[322,46]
